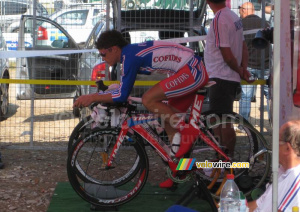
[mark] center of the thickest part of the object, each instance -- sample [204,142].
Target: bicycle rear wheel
[248,142]
[102,186]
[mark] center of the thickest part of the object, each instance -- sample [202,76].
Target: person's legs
[248,91]
[266,91]
[152,100]
[180,90]
[221,97]
[245,101]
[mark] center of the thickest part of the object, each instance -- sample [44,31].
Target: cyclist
[186,71]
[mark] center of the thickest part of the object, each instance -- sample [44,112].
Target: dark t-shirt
[255,22]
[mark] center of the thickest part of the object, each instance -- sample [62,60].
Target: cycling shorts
[180,89]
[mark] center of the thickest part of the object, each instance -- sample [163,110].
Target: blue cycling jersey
[146,58]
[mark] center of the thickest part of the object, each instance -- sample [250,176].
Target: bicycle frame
[138,123]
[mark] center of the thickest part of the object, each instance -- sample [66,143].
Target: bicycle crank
[178,179]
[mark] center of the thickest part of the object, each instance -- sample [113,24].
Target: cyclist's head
[109,39]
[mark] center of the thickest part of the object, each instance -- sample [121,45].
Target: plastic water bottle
[175,144]
[243,203]
[115,117]
[230,196]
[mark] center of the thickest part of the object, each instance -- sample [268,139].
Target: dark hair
[110,38]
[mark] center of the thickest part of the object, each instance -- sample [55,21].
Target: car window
[94,35]
[166,4]
[96,12]
[42,10]
[13,8]
[47,36]
[96,19]
[141,36]
[77,17]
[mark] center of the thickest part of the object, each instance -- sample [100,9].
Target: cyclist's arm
[86,100]
[130,68]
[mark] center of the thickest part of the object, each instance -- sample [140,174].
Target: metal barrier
[47,123]
[52,120]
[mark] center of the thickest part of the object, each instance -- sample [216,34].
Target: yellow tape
[81,82]
[256,82]
[69,82]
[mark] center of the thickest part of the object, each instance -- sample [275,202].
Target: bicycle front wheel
[84,127]
[250,149]
[98,184]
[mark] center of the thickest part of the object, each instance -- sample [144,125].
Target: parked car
[62,4]
[12,10]
[52,67]
[4,74]
[135,25]
[79,20]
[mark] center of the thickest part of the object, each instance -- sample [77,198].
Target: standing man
[252,21]
[289,172]
[226,61]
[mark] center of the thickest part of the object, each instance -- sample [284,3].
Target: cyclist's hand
[84,101]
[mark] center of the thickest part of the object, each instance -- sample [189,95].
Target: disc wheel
[99,184]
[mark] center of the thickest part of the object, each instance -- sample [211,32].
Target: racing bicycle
[108,165]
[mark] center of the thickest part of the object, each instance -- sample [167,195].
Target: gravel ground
[29,177]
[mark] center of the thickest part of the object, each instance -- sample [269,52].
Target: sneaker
[1,165]
[166,184]
[188,137]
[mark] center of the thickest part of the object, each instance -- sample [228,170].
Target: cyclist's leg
[152,100]
[181,86]
[221,98]
[179,100]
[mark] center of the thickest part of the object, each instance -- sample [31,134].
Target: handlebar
[128,104]
[101,86]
